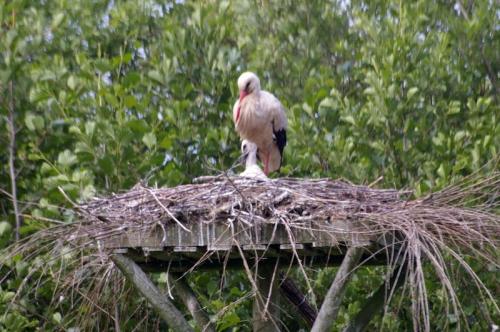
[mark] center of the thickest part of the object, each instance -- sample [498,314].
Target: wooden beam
[266,315]
[331,304]
[376,301]
[187,296]
[155,263]
[172,316]
[298,299]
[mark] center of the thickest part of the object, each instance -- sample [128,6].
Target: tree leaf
[57,317]
[72,82]
[34,122]
[156,76]
[66,158]
[412,92]
[130,101]
[58,18]
[149,139]
[5,228]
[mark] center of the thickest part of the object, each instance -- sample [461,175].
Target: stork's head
[248,83]
[248,148]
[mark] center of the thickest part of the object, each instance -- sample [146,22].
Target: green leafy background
[108,93]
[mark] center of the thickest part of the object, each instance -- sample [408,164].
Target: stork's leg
[266,163]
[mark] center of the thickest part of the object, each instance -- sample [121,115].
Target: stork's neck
[245,96]
[251,159]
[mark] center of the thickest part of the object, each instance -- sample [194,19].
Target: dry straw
[436,233]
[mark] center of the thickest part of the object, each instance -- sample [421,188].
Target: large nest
[246,199]
[322,205]
[459,221]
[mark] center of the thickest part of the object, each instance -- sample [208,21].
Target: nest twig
[463,217]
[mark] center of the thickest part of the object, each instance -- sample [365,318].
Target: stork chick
[259,117]
[249,154]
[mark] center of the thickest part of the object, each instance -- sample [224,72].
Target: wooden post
[330,307]
[266,319]
[172,316]
[188,297]
[298,299]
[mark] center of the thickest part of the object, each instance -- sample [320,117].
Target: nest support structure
[265,227]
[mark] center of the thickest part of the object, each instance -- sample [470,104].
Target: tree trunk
[12,157]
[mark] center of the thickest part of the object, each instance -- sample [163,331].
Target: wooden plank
[303,232]
[141,239]
[201,230]
[325,231]
[272,233]
[152,249]
[185,249]
[245,234]
[321,245]
[361,234]
[185,238]
[117,241]
[258,247]
[217,247]
[218,234]
[289,246]
[172,234]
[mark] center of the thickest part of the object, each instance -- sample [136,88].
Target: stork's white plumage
[260,118]
[252,170]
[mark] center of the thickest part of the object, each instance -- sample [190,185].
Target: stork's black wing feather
[280,137]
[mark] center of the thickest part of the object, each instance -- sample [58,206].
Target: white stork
[260,118]
[252,170]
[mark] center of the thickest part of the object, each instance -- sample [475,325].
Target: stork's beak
[243,94]
[243,158]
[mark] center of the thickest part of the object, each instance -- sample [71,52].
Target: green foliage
[108,93]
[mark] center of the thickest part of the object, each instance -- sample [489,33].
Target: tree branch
[331,304]
[116,318]
[186,294]
[172,316]
[487,64]
[12,155]
[490,72]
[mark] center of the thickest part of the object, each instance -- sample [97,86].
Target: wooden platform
[208,246]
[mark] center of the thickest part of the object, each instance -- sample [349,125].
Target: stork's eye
[247,86]
[244,148]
